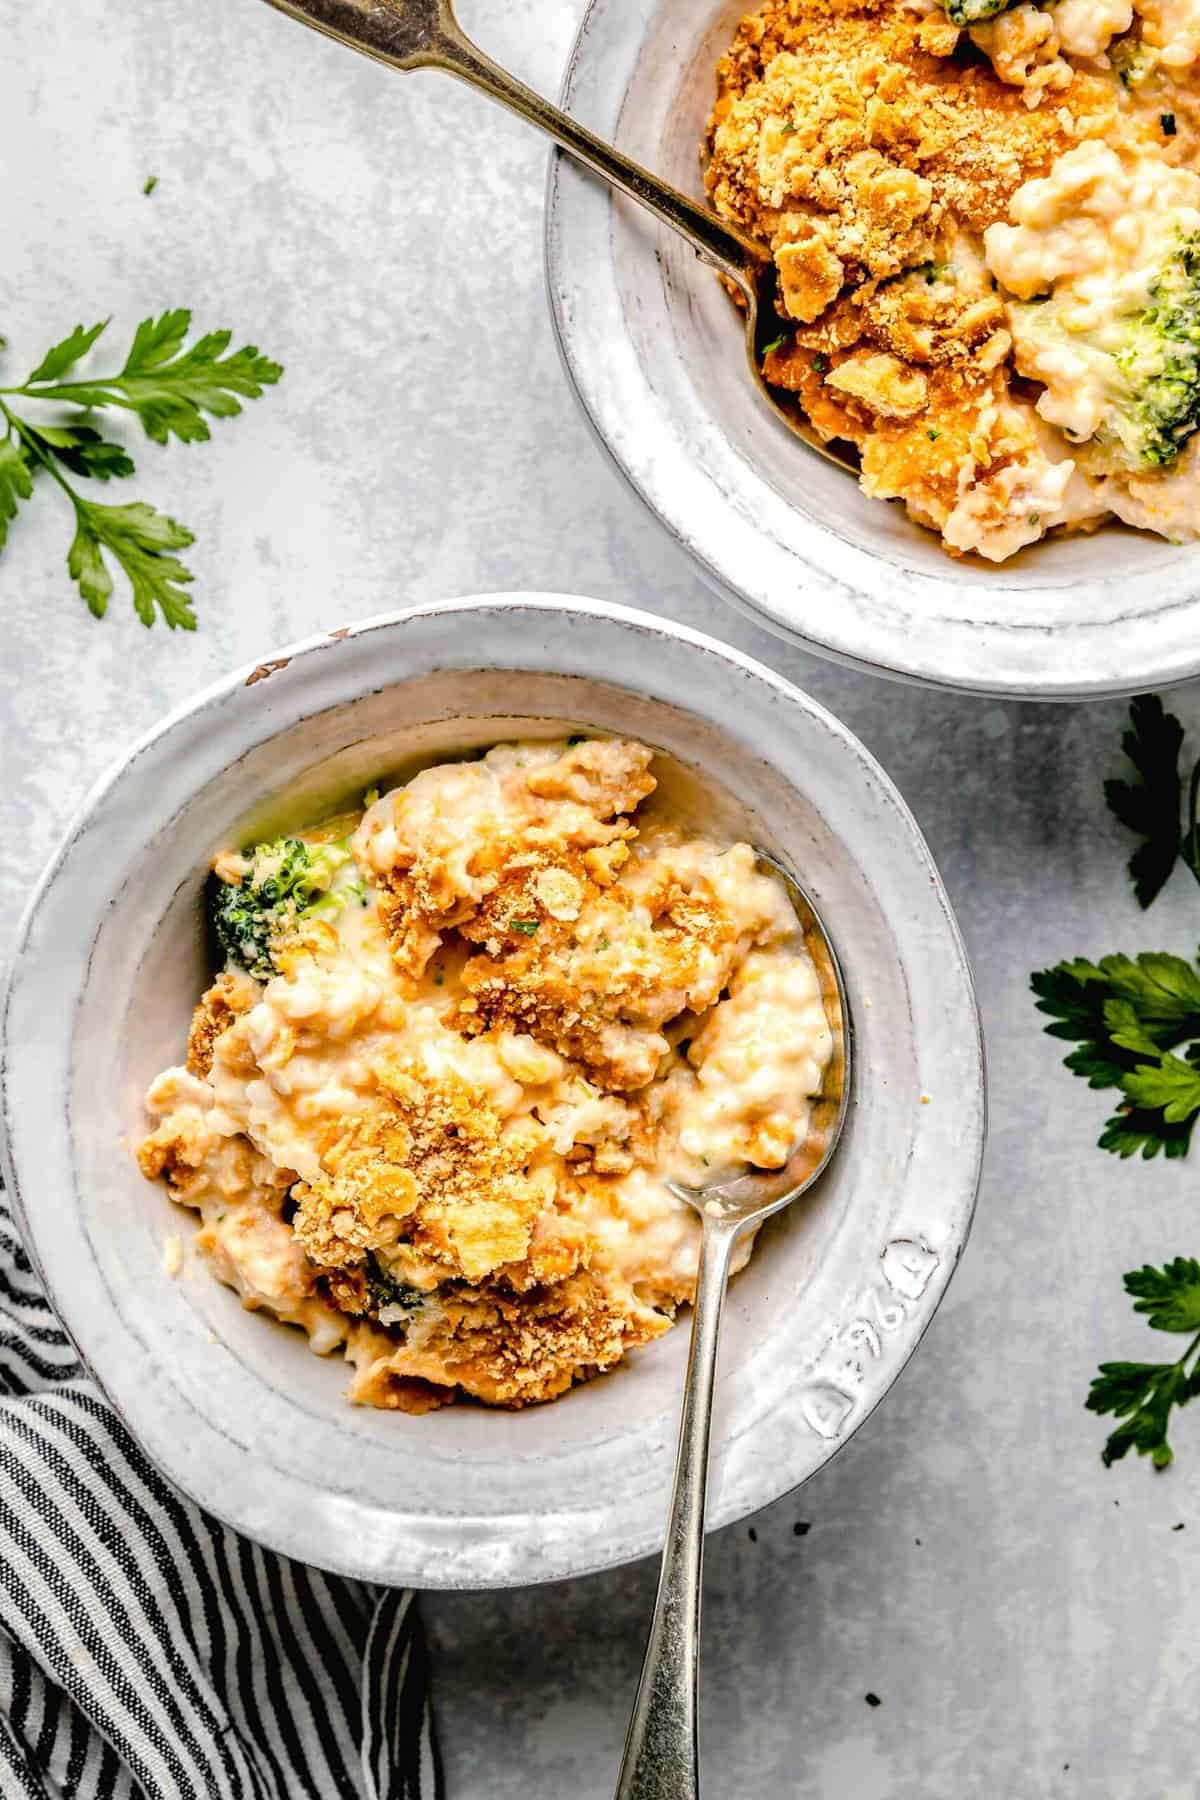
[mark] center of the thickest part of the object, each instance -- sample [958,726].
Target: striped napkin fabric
[147,1652]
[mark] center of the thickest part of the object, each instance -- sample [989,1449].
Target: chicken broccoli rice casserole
[985,221]
[462,1040]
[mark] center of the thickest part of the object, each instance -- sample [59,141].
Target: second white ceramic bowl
[654,350]
[233,1407]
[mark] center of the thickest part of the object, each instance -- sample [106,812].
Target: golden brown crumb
[886,387]
[835,118]
[436,1178]
[402,1393]
[178,1149]
[597,987]
[476,1215]
[845,139]
[576,804]
[230,995]
[510,1351]
[451,1197]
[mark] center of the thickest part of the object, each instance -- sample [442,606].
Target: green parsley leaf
[170,387]
[1171,1084]
[1135,1024]
[1126,1029]
[1143,1395]
[1168,1297]
[1132,1133]
[1126,1016]
[1149,806]
[151,184]
[140,541]
[775,343]
[16,483]
[1162,990]
[65,355]
[526,927]
[820,363]
[81,449]
[1166,988]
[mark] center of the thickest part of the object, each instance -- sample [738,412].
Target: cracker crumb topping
[437,1131]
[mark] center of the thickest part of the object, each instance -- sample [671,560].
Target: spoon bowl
[661,1760]
[756,1194]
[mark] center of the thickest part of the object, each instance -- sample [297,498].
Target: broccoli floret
[934,272]
[974,12]
[384,1291]
[1133,61]
[1160,362]
[286,881]
[1139,402]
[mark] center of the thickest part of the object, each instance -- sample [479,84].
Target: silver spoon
[661,1760]
[425,34]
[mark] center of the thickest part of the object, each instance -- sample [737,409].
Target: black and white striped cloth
[147,1652]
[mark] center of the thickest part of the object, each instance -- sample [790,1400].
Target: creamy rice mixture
[986,223]
[429,1110]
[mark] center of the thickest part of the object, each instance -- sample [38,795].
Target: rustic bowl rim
[39,1046]
[621,308]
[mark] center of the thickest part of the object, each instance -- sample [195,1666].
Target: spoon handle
[661,1761]
[413,34]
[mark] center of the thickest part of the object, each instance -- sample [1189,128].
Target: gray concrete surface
[1025,1617]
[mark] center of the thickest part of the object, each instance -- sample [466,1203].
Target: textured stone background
[1025,1617]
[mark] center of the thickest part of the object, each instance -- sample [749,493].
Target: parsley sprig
[1150,805]
[172,388]
[1132,1016]
[1144,1395]
[1136,1024]
[1128,1016]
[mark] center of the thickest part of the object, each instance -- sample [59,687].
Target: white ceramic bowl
[654,349]
[232,1406]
